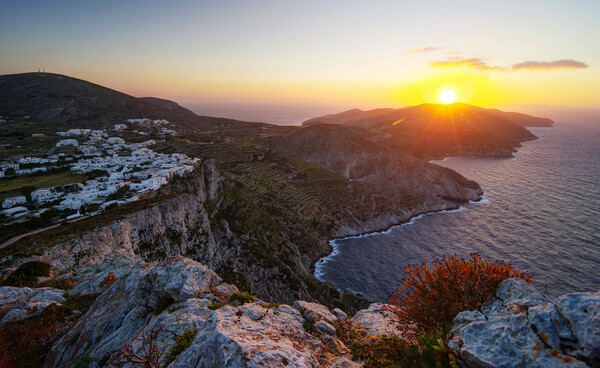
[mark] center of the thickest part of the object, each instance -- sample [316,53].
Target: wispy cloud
[480,64]
[546,65]
[474,63]
[423,49]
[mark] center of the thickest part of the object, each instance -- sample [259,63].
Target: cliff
[388,187]
[188,222]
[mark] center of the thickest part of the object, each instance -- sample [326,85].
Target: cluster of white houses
[139,168]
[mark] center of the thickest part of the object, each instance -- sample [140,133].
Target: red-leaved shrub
[429,298]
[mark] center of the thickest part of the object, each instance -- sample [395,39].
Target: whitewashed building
[15,210]
[43,195]
[13,201]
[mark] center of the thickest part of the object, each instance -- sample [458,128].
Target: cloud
[480,64]
[423,49]
[546,65]
[474,63]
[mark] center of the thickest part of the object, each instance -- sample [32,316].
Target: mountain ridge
[369,118]
[55,98]
[433,131]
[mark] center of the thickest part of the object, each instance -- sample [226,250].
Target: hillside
[54,98]
[437,131]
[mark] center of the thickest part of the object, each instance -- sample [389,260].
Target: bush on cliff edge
[428,299]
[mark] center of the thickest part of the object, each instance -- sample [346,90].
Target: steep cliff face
[386,187]
[185,225]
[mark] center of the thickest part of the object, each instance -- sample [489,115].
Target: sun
[447,96]
[447,93]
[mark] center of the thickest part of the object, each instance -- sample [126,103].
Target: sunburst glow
[447,96]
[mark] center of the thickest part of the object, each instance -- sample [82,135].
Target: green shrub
[182,342]
[428,299]
[215,306]
[239,298]
[27,274]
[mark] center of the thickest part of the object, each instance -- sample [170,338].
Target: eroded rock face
[19,303]
[252,336]
[314,312]
[180,296]
[521,327]
[140,299]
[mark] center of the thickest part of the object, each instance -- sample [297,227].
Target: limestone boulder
[377,320]
[520,327]
[19,303]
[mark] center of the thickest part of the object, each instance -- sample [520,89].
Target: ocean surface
[541,211]
[265,113]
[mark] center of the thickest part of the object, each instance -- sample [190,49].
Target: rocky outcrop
[521,327]
[179,296]
[253,336]
[376,320]
[173,293]
[19,303]
[194,319]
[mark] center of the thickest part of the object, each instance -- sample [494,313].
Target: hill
[55,98]
[437,131]
[371,118]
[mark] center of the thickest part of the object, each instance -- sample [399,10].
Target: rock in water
[520,327]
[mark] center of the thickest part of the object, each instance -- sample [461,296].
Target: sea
[541,211]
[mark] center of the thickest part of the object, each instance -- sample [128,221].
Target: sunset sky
[354,53]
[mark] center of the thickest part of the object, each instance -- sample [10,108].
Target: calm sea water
[541,211]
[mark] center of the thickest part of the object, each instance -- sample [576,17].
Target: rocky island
[214,266]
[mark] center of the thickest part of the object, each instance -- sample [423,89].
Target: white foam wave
[483,200]
[320,264]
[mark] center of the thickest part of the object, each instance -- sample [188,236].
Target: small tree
[428,300]
[150,355]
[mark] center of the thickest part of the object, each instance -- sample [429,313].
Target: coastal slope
[436,131]
[398,185]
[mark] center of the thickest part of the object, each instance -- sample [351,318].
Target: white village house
[13,201]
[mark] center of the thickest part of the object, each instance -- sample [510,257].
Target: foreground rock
[18,303]
[376,321]
[179,297]
[520,327]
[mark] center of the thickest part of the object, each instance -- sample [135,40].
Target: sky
[346,53]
